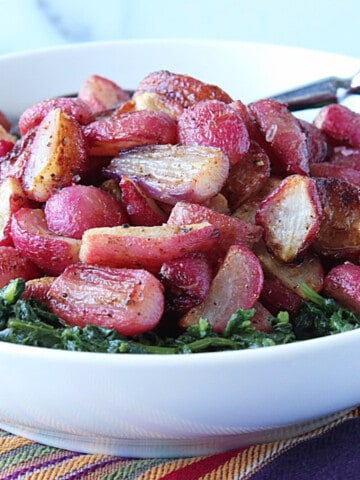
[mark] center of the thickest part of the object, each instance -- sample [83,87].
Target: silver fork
[320,93]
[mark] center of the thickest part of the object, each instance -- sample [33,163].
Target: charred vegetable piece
[58,156]
[290,217]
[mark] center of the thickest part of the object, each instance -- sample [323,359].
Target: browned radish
[180,89]
[340,123]
[343,284]
[317,142]
[247,210]
[291,275]
[33,239]
[38,288]
[276,297]
[73,107]
[290,217]
[12,198]
[339,234]
[100,93]
[145,247]
[140,208]
[130,301]
[285,140]
[213,123]
[247,177]
[58,156]
[331,170]
[14,265]
[233,231]
[170,173]
[187,281]
[77,208]
[109,135]
[14,162]
[153,101]
[237,284]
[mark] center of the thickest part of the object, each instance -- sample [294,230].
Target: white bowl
[152,405]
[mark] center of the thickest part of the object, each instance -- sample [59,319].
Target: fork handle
[315,95]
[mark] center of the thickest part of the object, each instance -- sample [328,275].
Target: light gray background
[326,25]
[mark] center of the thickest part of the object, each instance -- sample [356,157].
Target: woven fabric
[332,451]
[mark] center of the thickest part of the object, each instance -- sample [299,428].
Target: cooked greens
[28,322]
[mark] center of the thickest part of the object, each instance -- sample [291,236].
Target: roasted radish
[58,156]
[215,124]
[130,301]
[100,93]
[109,135]
[290,217]
[14,265]
[33,239]
[77,208]
[145,247]
[170,173]
[237,284]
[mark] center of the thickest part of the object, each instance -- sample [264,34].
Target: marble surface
[327,25]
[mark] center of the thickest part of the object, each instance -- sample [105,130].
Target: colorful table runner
[330,452]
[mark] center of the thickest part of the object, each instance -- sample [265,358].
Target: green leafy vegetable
[321,316]
[28,322]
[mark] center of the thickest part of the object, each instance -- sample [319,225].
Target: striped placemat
[330,452]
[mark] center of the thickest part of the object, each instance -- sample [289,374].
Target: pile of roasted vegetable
[178,220]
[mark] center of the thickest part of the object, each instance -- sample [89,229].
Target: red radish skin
[343,284]
[182,90]
[140,208]
[248,176]
[77,208]
[145,247]
[129,301]
[285,141]
[237,284]
[5,147]
[340,123]
[278,298]
[109,135]
[73,107]
[32,238]
[100,93]
[187,281]
[14,265]
[232,230]
[215,124]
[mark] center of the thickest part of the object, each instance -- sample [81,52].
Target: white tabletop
[327,25]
